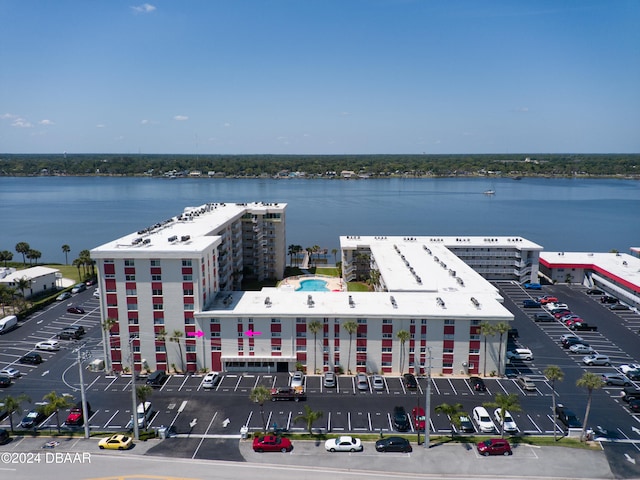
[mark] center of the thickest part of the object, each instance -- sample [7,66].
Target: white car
[580,348]
[297,380]
[553,306]
[96,293]
[50,345]
[483,420]
[10,372]
[509,424]
[343,444]
[520,354]
[629,367]
[210,380]
[378,382]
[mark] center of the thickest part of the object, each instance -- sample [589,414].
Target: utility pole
[427,409]
[134,397]
[83,395]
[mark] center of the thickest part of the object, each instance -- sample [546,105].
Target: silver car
[616,379]
[378,382]
[361,382]
[596,359]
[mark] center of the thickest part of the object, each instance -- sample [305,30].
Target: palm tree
[334,251]
[77,263]
[591,382]
[259,395]
[500,328]
[66,249]
[143,392]
[291,250]
[453,412]
[403,336]
[33,255]
[23,248]
[176,337]
[12,405]
[56,402]
[314,327]
[555,374]
[6,296]
[6,256]
[85,258]
[505,402]
[351,327]
[486,330]
[23,283]
[309,416]
[107,325]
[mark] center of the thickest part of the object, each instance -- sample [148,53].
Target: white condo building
[183,275]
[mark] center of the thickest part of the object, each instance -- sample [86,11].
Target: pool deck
[293,283]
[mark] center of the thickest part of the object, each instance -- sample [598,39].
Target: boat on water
[489,192]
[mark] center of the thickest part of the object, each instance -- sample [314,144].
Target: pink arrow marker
[251,333]
[199,333]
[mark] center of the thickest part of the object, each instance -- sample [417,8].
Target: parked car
[210,380]
[77,328]
[618,306]
[50,345]
[581,348]
[78,287]
[419,418]
[509,425]
[494,446]
[547,299]
[526,383]
[543,317]
[96,293]
[595,291]
[116,442]
[608,299]
[477,384]
[5,437]
[91,281]
[583,327]
[520,354]
[329,380]
[68,334]
[297,380]
[533,286]
[400,419]
[567,417]
[76,416]
[272,443]
[32,419]
[4,381]
[624,368]
[31,358]
[466,425]
[410,381]
[393,444]
[10,372]
[630,393]
[76,310]
[361,382]
[596,359]
[634,406]
[483,420]
[378,382]
[616,379]
[557,306]
[573,341]
[63,296]
[343,444]
[530,303]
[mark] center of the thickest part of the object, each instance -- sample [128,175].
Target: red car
[562,313]
[573,321]
[77,310]
[547,299]
[418,418]
[271,443]
[494,446]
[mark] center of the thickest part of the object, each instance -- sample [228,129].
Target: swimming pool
[312,285]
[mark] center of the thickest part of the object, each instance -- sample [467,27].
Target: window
[133,321]
[189,321]
[475,322]
[132,292]
[186,263]
[275,320]
[158,321]
[215,334]
[132,306]
[190,349]
[474,336]
[158,306]
[364,335]
[474,350]
[361,349]
[301,334]
[447,350]
[136,348]
[108,260]
[188,306]
[214,320]
[156,278]
[362,321]
[412,322]
[384,364]
[386,321]
[387,335]
[155,263]
[216,348]
[449,322]
[448,336]
[276,348]
[187,292]
[240,334]
[301,348]
[187,278]
[160,349]
[109,275]
[423,321]
[276,334]
[130,278]
[129,262]
[156,292]
[447,364]
[301,320]
[387,349]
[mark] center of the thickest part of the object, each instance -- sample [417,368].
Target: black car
[32,419]
[595,291]
[630,393]
[567,417]
[477,384]
[466,425]
[31,358]
[5,381]
[543,317]
[410,381]
[567,342]
[77,328]
[400,419]
[608,299]
[530,303]
[634,405]
[4,437]
[393,444]
[68,334]
[76,310]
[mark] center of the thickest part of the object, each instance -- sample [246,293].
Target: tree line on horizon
[321,165]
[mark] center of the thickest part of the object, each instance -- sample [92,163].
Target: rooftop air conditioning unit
[184,238]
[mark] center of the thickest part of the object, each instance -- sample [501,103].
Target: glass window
[186,262]
[156,278]
[155,263]
[129,262]
[187,278]
[158,306]
[130,278]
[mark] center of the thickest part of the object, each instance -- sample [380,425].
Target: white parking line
[534,423]
[111,383]
[203,437]
[453,388]
[435,385]
[112,417]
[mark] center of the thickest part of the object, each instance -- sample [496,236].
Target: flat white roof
[622,267]
[29,273]
[190,232]
[274,302]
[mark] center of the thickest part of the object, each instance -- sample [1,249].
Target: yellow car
[116,442]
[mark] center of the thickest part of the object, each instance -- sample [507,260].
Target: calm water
[560,214]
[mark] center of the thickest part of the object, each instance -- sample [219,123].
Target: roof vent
[310,301]
[352,304]
[440,302]
[172,238]
[267,301]
[475,302]
[393,302]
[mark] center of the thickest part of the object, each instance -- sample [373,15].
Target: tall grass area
[67,271]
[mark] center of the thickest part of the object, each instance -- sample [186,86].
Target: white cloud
[181,118]
[100,125]
[21,123]
[8,116]
[345,114]
[144,8]
[46,122]
[522,110]
[226,125]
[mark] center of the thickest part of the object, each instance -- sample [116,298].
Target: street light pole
[134,398]
[83,396]
[427,409]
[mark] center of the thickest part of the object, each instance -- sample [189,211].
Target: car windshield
[487,443]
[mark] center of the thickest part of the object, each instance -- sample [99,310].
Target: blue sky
[319,76]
